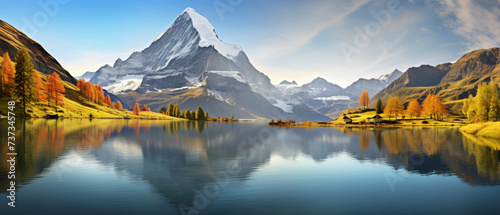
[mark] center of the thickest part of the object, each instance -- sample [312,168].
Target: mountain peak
[285,82]
[206,33]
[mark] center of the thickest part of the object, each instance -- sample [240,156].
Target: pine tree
[163,109]
[188,114]
[55,89]
[136,110]
[199,113]
[379,107]
[414,108]
[394,106]
[25,86]
[206,115]
[7,76]
[40,88]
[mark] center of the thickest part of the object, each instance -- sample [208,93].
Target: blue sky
[295,40]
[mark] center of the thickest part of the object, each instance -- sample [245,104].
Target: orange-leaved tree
[89,91]
[41,90]
[394,106]
[118,105]
[81,85]
[7,76]
[55,89]
[364,99]
[432,106]
[136,110]
[414,108]
[108,100]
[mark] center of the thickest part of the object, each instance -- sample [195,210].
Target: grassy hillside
[76,105]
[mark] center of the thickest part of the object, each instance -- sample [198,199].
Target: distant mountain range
[449,81]
[331,99]
[373,85]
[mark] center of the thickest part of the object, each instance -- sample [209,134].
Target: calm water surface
[156,167]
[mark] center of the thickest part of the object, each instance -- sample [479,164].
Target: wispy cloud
[309,20]
[477,21]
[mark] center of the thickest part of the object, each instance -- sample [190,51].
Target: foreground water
[158,167]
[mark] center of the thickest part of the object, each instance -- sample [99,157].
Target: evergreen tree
[25,86]
[379,108]
[170,109]
[163,109]
[199,113]
[188,114]
[206,115]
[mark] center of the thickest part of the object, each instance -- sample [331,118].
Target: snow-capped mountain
[189,58]
[320,95]
[373,85]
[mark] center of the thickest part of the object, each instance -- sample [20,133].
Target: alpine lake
[109,166]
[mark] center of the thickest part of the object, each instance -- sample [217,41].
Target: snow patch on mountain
[284,106]
[128,82]
[230,74]
[332,98]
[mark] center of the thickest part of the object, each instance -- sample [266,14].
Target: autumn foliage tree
[41,90]
[55,89]
[485,106]
[414,108]
[136,109]
[7,76]
[394,106]
[108,100]
[364,99]
[118,105]
[432,106]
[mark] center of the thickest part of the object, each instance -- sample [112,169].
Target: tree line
[95,94]
[485,106]
[174,111]
[23,83]
[431,106]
